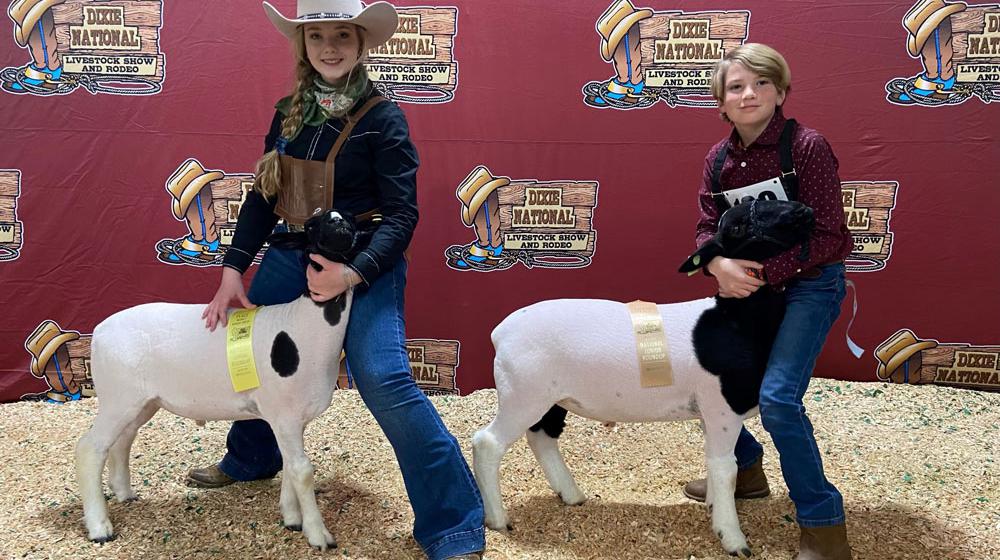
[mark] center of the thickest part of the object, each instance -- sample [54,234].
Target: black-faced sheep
[580,356]
[159,355]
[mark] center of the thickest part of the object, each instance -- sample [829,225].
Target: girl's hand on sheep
[737,278]
[230,288]
[331,280]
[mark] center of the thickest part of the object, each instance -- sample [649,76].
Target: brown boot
[208,477]
[751,483]
[824,543]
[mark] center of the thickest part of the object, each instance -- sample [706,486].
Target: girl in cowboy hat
[335,130]
[751,83]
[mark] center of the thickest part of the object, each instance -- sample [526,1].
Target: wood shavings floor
[917,466]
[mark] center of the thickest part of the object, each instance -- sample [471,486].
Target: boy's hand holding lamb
[734,276]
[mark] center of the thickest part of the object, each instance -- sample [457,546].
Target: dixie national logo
[432,361]
[104,47]
[958,46]
[208,203]
[11,229]
[666,56]
[867,208]
[417,65]
[904,358]
[544,224]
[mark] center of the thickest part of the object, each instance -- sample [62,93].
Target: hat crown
[329,8]
[615,14]
[900,340]
[42,336]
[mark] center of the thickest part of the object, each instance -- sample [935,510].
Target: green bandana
[322,101]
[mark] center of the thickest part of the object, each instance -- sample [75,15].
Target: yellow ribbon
[651,345]
[239,350]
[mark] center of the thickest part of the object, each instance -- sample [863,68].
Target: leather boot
[208,477]
[751,483]
[824,543]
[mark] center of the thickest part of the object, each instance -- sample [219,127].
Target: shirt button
[743,164]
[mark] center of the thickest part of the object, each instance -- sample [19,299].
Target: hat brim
[609,45]
[379,21]
[469,212]
[26,14]
[885,369]
[915,43]
[41,361]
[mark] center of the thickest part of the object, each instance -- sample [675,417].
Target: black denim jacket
[376,168]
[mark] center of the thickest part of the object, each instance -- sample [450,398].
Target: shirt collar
[769,137]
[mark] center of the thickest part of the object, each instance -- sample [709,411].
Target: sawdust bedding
[916,464]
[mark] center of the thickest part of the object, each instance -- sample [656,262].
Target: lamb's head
[331,234]
[756,230]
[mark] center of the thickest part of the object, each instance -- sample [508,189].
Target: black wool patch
[333,309]
[553,422]
[736,359]
[284,355]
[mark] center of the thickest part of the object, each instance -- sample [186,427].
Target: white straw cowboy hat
[379,20]
[923,18]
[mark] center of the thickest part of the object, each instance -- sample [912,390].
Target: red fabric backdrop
[85,191]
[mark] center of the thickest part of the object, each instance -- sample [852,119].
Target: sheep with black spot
[159,355]
[580,356]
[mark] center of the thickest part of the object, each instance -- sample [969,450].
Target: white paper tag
[770,189]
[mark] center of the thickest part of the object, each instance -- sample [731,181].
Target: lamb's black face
[757,230]
[331,235]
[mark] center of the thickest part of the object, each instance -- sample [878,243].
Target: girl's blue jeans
[446,504]
[812,307]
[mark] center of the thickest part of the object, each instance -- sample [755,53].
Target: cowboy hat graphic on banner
[868,206]
[101,46]
[544,224]
[904,358]
[417,64]
[662,56]
[958,45]
[61,359]
[433,363]
[11,229]
[208,202]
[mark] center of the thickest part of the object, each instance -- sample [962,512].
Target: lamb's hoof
[573,499]
[129,500]
[742,553]
[324,542]
[102,540]
[296,528]
[500,527]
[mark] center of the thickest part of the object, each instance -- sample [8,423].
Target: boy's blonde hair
[759,59]
[268,173]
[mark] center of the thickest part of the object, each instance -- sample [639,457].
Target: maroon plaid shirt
[819,188]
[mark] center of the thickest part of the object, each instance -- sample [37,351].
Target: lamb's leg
[291,514]
[118,471]
[515,414]
[91,453]
[299,470]
[721,432]
[546,450]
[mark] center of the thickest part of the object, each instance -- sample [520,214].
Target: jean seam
[840,519]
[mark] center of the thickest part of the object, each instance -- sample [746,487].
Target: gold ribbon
[651,345]
[239,350]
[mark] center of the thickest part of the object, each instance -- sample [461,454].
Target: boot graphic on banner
[928,24]
[34,29]
[50,361]
[481,211]
[619,30]
[192,203]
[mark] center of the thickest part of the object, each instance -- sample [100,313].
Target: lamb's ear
[286,240]
[708,251]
